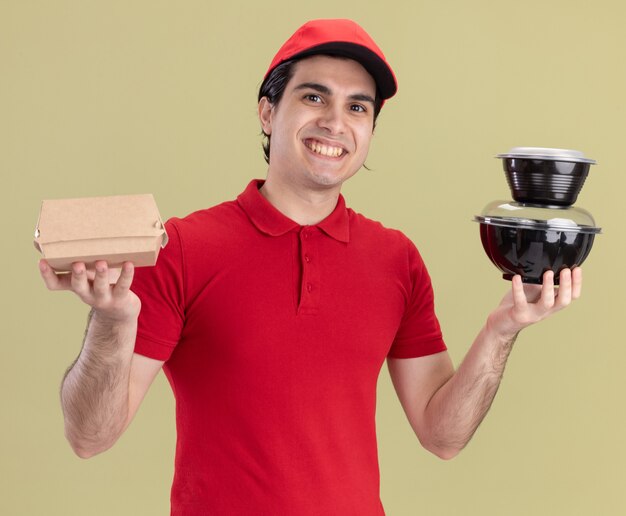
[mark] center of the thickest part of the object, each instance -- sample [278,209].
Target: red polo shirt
[274,335]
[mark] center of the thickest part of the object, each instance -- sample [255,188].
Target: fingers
[548,293]
[570,286]
[577,282]
[97,288]
[79,282]
[564,297]
[102,289]
[91,286]
[53,280]
[519,295]
[547,296]
[101,286]
[569,289]
[124,281]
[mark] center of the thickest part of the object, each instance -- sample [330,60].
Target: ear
[265,115]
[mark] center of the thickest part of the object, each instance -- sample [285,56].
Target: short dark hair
[274,86]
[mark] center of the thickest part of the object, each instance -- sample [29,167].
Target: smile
[323,149]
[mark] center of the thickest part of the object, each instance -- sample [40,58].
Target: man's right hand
[103,389]
[108,295]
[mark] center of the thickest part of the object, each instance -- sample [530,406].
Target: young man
[272,315]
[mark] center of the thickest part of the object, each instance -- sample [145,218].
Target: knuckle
[77,289]
[100,289]
[82,293]
[84,298]
[100,305]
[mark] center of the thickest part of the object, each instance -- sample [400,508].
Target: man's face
[322,127]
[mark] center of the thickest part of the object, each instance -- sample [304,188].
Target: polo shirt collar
[270,221]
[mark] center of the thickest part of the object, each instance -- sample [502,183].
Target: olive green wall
[116,97]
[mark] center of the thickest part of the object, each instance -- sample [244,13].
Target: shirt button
[309,287]
[307,258]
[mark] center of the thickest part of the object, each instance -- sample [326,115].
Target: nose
[332,119]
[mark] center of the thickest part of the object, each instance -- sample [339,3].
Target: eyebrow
[327,91]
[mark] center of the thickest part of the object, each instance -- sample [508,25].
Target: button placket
[309,288]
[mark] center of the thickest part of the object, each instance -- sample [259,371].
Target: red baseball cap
[344,38]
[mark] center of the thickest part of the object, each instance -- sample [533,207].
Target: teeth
[325,150]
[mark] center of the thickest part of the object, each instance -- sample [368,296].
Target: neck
[304,206]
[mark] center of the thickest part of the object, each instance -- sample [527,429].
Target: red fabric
[274,336]
[340,37]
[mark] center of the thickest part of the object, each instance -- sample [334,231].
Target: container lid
[86,218]
[533,216]
[547,153]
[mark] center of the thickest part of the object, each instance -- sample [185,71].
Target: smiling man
[320,132]
[272,315]
[322,127]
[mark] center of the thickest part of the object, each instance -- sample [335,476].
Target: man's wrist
[116,318]
[504,337]
[110,334]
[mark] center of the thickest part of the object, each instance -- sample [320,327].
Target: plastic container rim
[535,224]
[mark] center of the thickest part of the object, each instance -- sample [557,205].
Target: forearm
[457,408]
[95,390]
[445,407]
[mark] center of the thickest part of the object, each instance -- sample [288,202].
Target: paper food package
[115,228]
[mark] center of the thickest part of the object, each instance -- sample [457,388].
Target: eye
[358,108]
[312,97]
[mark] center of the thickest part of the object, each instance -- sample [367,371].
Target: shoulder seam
[182,264]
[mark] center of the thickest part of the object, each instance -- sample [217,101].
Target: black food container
[531,239]
[543,175]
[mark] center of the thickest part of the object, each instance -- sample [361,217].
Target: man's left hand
[528,304]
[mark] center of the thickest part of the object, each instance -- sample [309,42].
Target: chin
[327,180]
[330,179]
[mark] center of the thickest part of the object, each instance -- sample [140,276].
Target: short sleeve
[161,291]
[419,333]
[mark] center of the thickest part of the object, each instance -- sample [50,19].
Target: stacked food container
[539,230]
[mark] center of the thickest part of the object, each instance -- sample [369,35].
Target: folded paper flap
[66,220]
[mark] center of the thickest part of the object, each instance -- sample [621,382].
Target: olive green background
[115,97]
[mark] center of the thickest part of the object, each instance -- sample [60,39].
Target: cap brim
[376,67]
